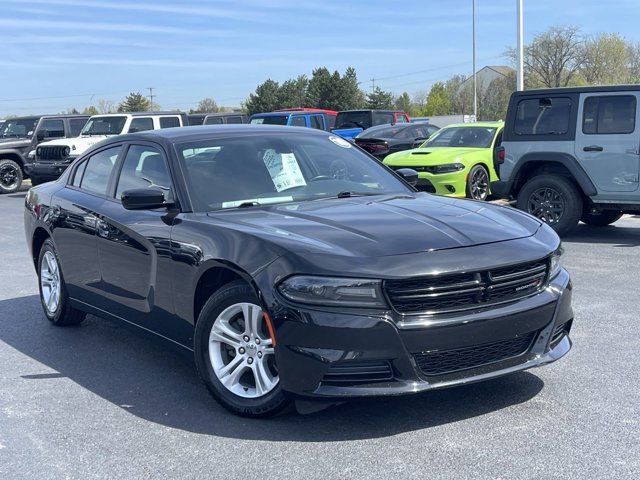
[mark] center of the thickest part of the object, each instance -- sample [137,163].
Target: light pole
[520,48]
[475,86]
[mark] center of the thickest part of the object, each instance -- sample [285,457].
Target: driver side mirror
[143,199]
[409,175]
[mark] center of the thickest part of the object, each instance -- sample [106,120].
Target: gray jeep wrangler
[572,154]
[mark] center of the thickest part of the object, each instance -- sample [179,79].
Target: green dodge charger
[456,161]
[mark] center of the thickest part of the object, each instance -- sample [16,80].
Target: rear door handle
[593,148]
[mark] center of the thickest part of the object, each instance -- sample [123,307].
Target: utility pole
[373,85]
[520,48]
[151,96]
[475,83]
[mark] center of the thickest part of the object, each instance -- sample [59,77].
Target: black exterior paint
[144,267]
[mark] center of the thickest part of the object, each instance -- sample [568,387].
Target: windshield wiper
[249,204]
[349,193]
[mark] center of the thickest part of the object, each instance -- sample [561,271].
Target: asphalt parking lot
[101,401]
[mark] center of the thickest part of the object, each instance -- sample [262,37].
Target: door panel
[608,140]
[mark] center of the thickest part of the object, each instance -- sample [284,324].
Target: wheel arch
[40,235]
[12,155]
[557,163]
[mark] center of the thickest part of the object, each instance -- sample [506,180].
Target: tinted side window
[141,124]
[98,170]
[316,122]
[169,122]
[612,114]
[75,126]
[401,119]
[213,121]
[144,167]
[234,119]
[77,176]
[298,121]
[382,118]
[331,120]
[51,128]
[543,116]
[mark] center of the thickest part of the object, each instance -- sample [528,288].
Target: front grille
[447,293]
[448,361]
[358,372]
[52,153]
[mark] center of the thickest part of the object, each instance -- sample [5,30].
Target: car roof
[224,114]
[136,114]
[370,110]
[203,132]
[282,113]
[597,88]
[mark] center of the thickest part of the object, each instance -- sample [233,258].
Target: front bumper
[46,170]
[450,184]
[311,344]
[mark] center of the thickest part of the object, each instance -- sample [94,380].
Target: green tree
[379,99]
[135,102]
[349,96]
[606,60]
[494,99]
[264,99]
[293,92]
[403,102]
[90,110]
[321,92]
[460,95]
[438,102]
[206,105]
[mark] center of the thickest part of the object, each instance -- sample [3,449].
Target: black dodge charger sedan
[293,264]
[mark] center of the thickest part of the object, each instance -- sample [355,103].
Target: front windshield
[18,127]
[265,169]
[354,120]
[270,120]
[104,126]
[474,137]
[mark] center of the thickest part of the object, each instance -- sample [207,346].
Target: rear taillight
[501,155]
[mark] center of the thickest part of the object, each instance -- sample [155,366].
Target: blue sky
[59,54]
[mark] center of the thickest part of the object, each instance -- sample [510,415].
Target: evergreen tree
[135,102]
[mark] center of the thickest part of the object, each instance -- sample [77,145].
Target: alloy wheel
[546,204]
[479,184]
[241,351]
[50,282]
[9,176]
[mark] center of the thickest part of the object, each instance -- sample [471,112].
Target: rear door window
[235,119]
[382,118]
[169,122]
[51,128]
[140,124]
[316,122]
[612,114]
[213,121]
[98,171]
[543,116]
[298,121]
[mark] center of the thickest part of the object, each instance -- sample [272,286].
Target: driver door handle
[593,148]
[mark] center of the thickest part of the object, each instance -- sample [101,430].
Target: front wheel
[10,176]
[601,219]
[553,199]
[478,183]
[234,353]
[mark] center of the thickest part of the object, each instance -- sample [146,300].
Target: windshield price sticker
[283,169]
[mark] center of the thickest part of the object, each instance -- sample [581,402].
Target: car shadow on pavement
[158,384]
[618,236]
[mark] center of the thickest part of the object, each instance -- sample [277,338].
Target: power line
[151,96]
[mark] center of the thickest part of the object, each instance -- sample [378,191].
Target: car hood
[14,142]
[380,225]
[432,155]
[77,144]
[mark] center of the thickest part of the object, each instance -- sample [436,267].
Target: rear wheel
[53,292]
[601,219]
[553,199]
[234,353]
[478,183]
[10,176]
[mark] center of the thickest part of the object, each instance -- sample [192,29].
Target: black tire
[478,183]
[601,219]
[565,201]
[64,315]
[10,176]
[267,405]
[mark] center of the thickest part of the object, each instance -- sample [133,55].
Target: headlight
[446,168]
[555,266]
[31,155]
[344,292]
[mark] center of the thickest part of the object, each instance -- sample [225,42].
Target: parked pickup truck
[350,123]
[21,135]
[318,118]
[52,158]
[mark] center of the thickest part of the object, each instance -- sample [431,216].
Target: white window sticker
[341,142]
[283,169]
